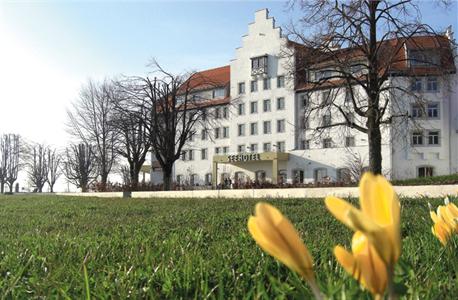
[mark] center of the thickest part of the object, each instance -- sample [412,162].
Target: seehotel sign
[244,157]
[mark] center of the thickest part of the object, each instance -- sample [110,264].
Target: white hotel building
[261,134]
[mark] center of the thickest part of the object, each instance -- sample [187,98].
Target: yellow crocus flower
[275,234]
[378,219]
[445,222]
[364,264]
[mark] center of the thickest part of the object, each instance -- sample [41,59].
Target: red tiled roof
[217,77]
[393,49]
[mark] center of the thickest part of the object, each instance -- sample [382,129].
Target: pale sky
[49,48]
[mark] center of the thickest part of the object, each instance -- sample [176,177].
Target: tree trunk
[167,177]
[51,188]
[134,177]
[375,147]
[2,187]
[103,181]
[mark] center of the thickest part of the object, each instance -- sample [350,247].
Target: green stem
[315,290]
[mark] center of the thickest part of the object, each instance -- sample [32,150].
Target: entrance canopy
[247,158]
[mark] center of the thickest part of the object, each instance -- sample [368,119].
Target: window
[219,93]
[323,74]
[282,176]
[425,171]
[254,86]
[183,155]
[320,174]
[208,179]
[204,114]
[415,85]
[179,179]
[241,148]
[254,147]
[343,175]
[241,109]
[203,134]
[225,112]
[194,179]
[267,147]
[217,150]
[260,175]
[266,125]
[326,98]
[432,85]
[254,128]
[327,121]
[303,100]
[190,154]
[280,146]
[417,138]
[225,132]
[327,143]
[433,137]
[259,65]
[348,96]
[217,113]
[191,136]
[241,129]
[241,88]
[433,110]
[203,154]
[280,81]
[351,117]
[349,141]
[298,176]
[304,122]
[304,144]
[217,133]
[280,103]
[423,58]
[266,105]
[417,111]
[253,107]
[266,83]
[281,125]
[226,150]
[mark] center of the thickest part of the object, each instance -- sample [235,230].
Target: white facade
[267,116]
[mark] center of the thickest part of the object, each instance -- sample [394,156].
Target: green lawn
[190,248]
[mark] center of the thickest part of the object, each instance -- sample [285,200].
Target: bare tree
[80,165]
[10,145]
[90,122]
[359,46]
[53,158]
[356,165]
[133,136]
[37,166]
[173,112]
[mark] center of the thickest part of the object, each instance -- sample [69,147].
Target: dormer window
[423,58]
[259,65]
[218,93]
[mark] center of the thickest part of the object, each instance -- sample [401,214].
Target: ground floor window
[260,175]
[194,179]
[343,175]
[320,174]
[179,179]
[208,178]
[240,177]
[425,171]
[282,176]
[298,176]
